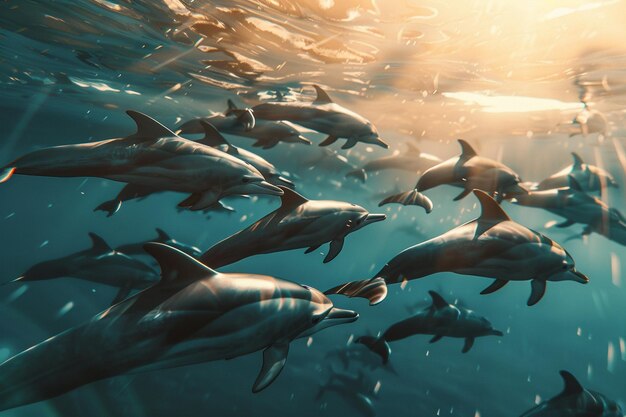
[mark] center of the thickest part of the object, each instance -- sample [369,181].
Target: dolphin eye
[565,267]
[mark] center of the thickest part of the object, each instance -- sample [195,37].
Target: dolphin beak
[304,140]
[381,143]
[497,333]
[373,218]
[579,277]
[340,316]
[284,181]
[18,279]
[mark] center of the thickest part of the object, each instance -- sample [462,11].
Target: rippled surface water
[507,76]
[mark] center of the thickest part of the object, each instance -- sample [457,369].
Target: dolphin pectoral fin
[495,286]
[311,249]
[6,174]
[328,141]
[566,223]
[462,195]
[375,290]
[199,201]
[274,358]
[122,294]
[436,338]
[469,342]
[335,247]
[350,143]
[538,289]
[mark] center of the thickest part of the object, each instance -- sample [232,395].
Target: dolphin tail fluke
[375,290]
[410,198]
[110,207]
[6,174]
[359,174]
[378,345]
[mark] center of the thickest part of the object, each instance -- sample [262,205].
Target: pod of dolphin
[191,313]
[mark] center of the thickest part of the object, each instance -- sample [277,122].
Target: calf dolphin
[412,160]
[100,264]
[267,133]
[576,401]
[192,315]
[468,171]
[440,319]
[324,116]
[491,246]
[154,157]
[590,177]
[162,237]
[297,223]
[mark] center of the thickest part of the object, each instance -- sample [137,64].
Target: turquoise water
[501,76]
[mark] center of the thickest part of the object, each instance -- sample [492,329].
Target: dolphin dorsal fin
[147,127]
[322,96]
[578,162]
[574,184]
[438,300]
[572,386]
[467,151]
[290,198]
[98,244]
[162,236]
[231,105]
[490,209]
[412,148]
[176,264]
[212,137]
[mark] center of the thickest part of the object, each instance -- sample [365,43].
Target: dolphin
[590,177]
[358,354]
[297,223]
[192,315]
[491,246]
[324,116]
[576,401]
[154,157]
[576,206]
[352,389]
[215,140]
[440,319]
[412,160]
[267,133]
[468,171]
[162,237]
[100,264]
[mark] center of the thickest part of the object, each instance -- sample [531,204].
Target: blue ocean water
[508,78]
